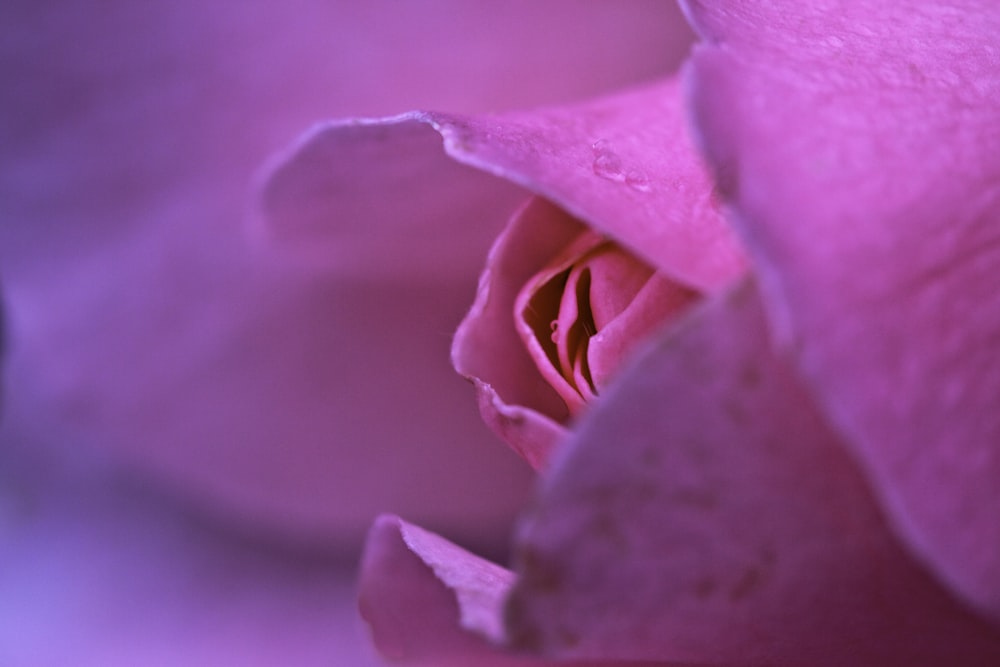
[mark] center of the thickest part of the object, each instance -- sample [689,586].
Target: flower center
[582,313]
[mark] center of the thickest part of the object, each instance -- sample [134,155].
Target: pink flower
[803,471]
[150,334]
[261,398]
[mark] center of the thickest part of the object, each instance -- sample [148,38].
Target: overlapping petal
[859,145]
[430,602]
[624,165]
[704,511]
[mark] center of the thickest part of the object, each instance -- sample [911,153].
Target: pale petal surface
[859,145]
[703,511]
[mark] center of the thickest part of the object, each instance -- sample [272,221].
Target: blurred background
[194,436]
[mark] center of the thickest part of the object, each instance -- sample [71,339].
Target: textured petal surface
[703,511]
[859,143]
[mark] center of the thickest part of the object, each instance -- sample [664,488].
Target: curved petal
[704,512]
[426,599]
[624,165]
[594,160]
[361,196]
[514,399]
[660,300]
[430,602]
[859,144]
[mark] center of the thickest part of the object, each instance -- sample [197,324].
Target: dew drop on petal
[637,180]
[607,164]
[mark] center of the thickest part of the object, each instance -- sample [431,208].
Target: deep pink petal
[658,301]
[703,511]
[624,164]
[425,598]
[859,143]
[430,602]
[616,277]
[514,399]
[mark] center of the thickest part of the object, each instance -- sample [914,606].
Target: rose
[730,523]
[698,249]
[144,329]
[307,187]
[578,303]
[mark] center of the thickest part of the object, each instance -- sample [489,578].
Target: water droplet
[607,164]
[638,180]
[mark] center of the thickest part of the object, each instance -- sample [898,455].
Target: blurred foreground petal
[704,512]
[859,144]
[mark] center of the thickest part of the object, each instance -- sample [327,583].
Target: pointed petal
[429,602]
[354,195]
[859,144]
[703,511]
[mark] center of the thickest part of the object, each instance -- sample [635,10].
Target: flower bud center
[578,318]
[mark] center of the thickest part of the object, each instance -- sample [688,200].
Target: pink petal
[623,164]
[514,399]
[859,143]
[554,343]
[616,279]
[704,512]
[424,597]
[586,158]
[657,303]
[430,602]
[356,196]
